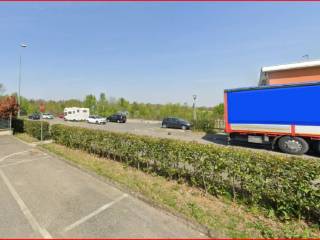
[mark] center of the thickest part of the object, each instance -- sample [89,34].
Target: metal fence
[219,124]
[5,124]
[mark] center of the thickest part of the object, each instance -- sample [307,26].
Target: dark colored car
[119,118]
[34,116]
[172,122]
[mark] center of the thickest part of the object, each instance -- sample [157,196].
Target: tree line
[104,106]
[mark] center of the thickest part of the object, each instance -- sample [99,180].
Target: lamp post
[194,96]
[19,82]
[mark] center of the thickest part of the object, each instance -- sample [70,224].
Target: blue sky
[150,52]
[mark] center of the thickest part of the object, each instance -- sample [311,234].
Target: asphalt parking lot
[149,128]
[44,197]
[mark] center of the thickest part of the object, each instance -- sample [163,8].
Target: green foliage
[33,128]
[205,116]
[284,185]
[219,110]
[91,103]
[1,89]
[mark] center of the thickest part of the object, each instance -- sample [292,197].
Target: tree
[25,107]
[103,98]
[8,107]
[123,104]
[218,110]
[1,89]
[102,104]
[91,103]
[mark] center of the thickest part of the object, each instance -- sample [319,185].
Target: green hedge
[286,186]
[31,127]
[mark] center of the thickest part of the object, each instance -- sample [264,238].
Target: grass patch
[26,137]
[224,217]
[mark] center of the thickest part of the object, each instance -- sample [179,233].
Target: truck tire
[316,147]
[293,145]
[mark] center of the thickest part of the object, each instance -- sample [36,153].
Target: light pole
[194,96]
[19,83]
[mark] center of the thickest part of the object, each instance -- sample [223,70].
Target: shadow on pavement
[221,139]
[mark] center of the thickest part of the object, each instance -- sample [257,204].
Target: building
[293,73]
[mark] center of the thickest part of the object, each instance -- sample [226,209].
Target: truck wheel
[293,145]
[316,147]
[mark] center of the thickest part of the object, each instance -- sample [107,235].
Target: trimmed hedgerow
[33,128]
[285,185]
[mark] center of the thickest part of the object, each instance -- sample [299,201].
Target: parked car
[61,115]
[172,122]
[47,116]
[34,116]
[119,118]
[96,119]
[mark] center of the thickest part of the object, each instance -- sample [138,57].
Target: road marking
[23,161]
[94,213]
[13,154]
[33,222]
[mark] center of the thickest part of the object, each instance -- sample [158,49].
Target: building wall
[311,74]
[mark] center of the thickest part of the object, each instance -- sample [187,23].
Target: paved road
[42,196]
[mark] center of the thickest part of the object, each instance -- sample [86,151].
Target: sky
[150,52]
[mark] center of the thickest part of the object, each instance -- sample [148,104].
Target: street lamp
[194,96]
[19,83]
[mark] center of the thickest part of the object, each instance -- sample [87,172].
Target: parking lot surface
[44,197]
[149,128]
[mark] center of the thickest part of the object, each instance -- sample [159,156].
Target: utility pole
[194,96]
[19,82]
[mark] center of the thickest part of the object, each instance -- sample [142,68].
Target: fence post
[10,122]
[41,128]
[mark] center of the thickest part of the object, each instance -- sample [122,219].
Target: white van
[76,114]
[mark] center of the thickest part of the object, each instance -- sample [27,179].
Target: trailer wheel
[316,147]
[293,145]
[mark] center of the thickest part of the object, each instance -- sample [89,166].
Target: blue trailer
[286,116]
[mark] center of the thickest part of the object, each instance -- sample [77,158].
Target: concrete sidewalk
[42,196]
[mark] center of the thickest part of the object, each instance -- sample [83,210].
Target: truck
[76,114]
[283,115]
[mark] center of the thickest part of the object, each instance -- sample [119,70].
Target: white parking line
[13,154]
[33,222]
[94,213]
[23,161]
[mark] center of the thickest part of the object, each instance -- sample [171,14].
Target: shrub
[18,125]
[33,128]
[285,185]
[206,125]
